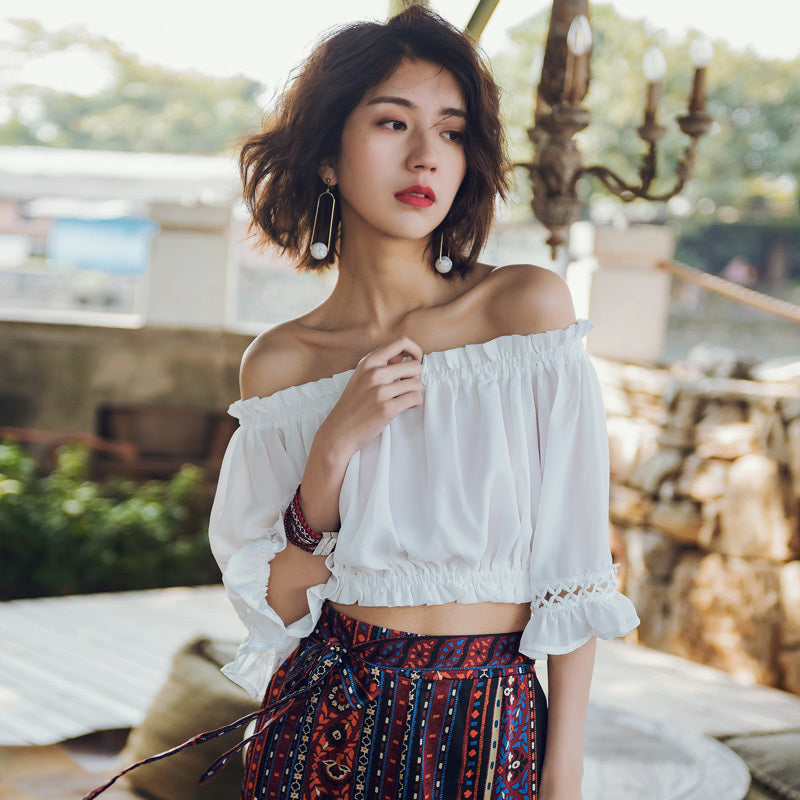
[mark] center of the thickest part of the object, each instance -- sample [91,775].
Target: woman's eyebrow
[406,103]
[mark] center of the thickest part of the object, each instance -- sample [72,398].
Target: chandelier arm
[628,192]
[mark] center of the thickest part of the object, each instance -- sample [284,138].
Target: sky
[265,39]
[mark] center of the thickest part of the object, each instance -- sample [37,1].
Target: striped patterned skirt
[359,711]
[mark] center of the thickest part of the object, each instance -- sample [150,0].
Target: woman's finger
[393,352]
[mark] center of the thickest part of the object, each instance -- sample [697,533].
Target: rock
[703,479]
[728,441]
[616,541]
[666,491]
[729,389]
[615,401]
[640,380]
[752,517]
[629,506]
[681,520]
[676,438]
[685,374]
[644,407]
[652,470]
[709,527]
[793,456]
[724,612]
[790,604]
[608,371]
[650,555]
[652,606]
[721,413]
[790,408]
[719,362]
[789,661]
[629,441]
[725,431]
[777,446]
[777,369]
[685,411]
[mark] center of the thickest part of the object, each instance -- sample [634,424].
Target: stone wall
[705,493]
[56,377]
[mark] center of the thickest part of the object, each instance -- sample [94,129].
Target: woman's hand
[385,382]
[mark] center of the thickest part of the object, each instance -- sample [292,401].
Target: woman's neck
[381,283]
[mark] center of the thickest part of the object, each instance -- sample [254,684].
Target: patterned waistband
[399,650]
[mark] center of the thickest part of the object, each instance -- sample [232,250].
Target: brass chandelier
[557,165]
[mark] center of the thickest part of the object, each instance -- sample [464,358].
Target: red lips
[417,195]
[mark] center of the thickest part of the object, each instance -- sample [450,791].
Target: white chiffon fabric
[494,489]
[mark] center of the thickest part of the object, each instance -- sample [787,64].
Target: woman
[414,507]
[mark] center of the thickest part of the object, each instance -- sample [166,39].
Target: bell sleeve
[573,581]
[258,477]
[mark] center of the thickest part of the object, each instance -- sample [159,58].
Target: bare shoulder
[274,360]
[529,299]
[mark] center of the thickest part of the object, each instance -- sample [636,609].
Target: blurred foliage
[747,165]
[64,534]
[712,245]
[145,108]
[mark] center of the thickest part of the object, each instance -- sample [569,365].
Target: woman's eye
[393,124]
[454,136]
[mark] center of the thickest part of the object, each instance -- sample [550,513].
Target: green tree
[146,108]
[746,161]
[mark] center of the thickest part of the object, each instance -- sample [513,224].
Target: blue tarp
[119,246]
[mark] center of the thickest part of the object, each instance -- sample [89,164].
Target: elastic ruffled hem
[514,349]
[269,641]
[560,630]
[431,586]
[252,669]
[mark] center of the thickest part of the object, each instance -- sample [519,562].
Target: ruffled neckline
[437,364]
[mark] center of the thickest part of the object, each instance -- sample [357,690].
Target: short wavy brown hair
[279,165]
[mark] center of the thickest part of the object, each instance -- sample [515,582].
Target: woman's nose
[423,155]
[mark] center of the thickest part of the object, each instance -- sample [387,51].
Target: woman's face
[402,153]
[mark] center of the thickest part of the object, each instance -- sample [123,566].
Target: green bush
[65,534]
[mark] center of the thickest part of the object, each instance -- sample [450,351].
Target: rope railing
[726,288]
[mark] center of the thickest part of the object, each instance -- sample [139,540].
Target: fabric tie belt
[318,662]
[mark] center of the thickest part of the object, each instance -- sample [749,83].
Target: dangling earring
[320,249]
[443,264]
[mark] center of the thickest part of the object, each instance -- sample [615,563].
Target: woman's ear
[327,174]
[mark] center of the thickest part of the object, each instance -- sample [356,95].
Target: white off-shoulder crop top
[494,489]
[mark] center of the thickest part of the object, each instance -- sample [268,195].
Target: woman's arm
[568,679]
[384,383]
[293,569]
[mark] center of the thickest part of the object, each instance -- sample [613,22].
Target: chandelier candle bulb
[697,101]
[576,73]
[700,52]
[653,96]
[655,67]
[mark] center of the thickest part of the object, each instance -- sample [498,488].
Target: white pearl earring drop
[319,250]
[443,264]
